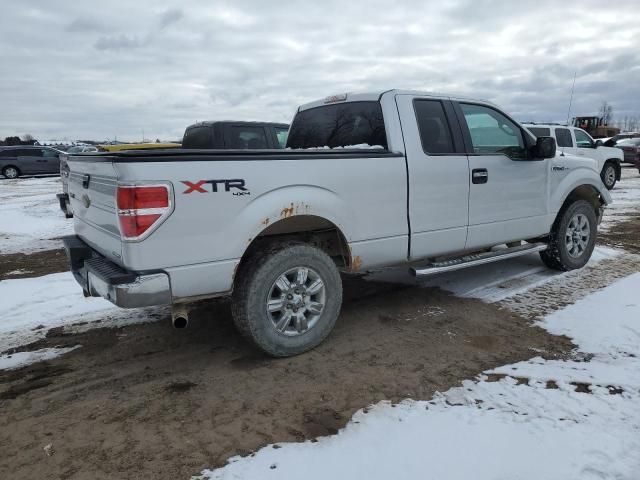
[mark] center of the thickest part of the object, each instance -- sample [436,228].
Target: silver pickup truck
[368,180]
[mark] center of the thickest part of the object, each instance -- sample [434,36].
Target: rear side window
[540,131]
[493,133]
[246,137]
[435,133]
[28,152]
[7,153]
[563,137]
[197,137]
[339,125]
[46,152]
[282,134]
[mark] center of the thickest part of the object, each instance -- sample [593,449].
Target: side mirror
[545,147]
[599,143]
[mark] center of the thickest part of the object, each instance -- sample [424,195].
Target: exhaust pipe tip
[180,322]
[180,317]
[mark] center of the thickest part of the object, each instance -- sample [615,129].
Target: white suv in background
[575,141]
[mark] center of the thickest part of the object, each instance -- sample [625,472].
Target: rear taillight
[141,209]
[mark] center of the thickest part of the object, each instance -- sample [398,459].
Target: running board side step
[477,259]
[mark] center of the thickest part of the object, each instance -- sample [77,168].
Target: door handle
[479,175]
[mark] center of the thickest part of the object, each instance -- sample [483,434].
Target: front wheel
[572,237]
[11,172]
[287,298]
[608,175]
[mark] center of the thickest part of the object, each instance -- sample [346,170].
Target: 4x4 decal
[200,186]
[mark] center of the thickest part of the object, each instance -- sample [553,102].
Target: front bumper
[100,277]
[65,205]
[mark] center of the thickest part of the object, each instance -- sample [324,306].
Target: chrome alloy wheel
[577,235]
[11,172]
[296,300]
[609,176]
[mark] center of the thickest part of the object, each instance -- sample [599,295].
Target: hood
[612,152]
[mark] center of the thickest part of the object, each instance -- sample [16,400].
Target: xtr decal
[199,186]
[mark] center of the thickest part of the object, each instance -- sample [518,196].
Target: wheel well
[9,166]
[588,193]
[310,229]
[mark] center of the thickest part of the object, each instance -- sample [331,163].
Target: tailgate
[92,193]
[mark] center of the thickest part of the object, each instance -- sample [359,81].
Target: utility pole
[571,98]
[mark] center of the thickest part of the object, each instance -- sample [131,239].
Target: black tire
[11,172]
[256,280]
[609,175]
[558,256]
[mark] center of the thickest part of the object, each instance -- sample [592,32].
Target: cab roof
[376,96]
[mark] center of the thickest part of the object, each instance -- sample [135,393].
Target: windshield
[339,125]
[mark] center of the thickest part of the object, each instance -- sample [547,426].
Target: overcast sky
[97,70]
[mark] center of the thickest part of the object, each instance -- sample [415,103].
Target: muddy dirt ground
[146,401]
[25,265]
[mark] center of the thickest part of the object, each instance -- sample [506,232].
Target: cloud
[118,42]
[170,17]
[85,24]
[116,69]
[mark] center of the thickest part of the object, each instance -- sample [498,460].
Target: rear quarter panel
[364,197]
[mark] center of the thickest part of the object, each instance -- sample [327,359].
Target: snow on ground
[626,199]
[534,423]
[493,282]
[31,216]
[22,359]
[30,306]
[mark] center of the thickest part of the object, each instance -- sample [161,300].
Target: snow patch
[22,359]
[30,306]
[543,419]
[31,215]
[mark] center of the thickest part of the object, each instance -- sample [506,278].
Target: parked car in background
[612,141]
[631,149]
[82,149]
[236,135]
[576,141]
[16,161]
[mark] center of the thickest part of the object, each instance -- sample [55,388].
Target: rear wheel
[572,237]
[11,172]
[608,175]
[287,298]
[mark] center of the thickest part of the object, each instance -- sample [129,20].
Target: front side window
[563,137]
[583,140]
[339,125]
[246,137]
[435,133]
[282,134]
[493,133]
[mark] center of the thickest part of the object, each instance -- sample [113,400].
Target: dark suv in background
[28,160]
